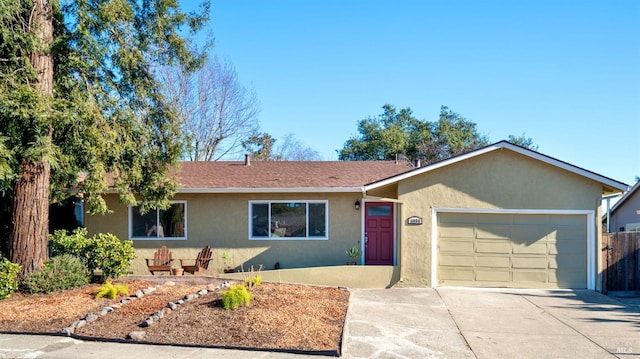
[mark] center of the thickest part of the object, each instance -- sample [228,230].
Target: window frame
[156,238]
[284,238]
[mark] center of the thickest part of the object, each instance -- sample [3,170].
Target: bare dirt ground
[281,316]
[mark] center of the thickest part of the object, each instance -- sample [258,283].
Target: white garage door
[512,250]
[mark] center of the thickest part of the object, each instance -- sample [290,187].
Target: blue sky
[566,73]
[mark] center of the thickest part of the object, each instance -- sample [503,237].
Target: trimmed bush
[62,272]
[8,277]
[111,255]
[237,296]
[103,251]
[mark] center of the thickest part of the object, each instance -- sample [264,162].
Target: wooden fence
[621,261]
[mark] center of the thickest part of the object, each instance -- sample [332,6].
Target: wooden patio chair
[161,261]
[200,264]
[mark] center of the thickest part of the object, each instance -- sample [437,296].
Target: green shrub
[61,272]
[111,255]
[103,251]
[76,243]
[110,290]
[8,277]
[237,296]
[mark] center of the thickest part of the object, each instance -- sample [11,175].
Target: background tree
[523,141]
[398,133]
[78,99]
[262,147]
[216,111]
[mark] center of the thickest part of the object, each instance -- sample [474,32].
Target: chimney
[247,160]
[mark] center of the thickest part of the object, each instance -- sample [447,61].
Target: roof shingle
[285,174]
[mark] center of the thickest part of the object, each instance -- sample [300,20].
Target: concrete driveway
[424,323]
[503,323]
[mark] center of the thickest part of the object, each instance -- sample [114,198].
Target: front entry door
[378,242]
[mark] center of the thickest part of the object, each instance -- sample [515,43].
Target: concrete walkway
[503,323]
[423,323]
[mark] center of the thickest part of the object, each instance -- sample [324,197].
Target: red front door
[378,247]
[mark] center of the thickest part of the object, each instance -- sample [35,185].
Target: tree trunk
[30,208]
[30,212]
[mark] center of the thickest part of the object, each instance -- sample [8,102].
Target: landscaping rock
[211,287]
[136,336]
[80,323]
[90,318]
[203,292]
[139,294]
[172,306]
[147,323]
[67,331]
[148,290]
[169,283]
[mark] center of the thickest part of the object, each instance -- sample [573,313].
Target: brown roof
[285,174]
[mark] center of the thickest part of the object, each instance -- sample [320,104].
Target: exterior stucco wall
[221,221]
[496,180]
[626,213]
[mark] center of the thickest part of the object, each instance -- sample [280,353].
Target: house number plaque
[414,220]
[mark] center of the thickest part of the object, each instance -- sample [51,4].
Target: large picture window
[288,220]
[170,223]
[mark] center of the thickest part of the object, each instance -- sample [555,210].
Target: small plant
[110,290]
[61,272]
[253,277]
[8,277]
[237,296]
[353,252]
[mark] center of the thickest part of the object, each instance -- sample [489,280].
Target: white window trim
[306,201]
[632,227]
[591,235]
[186,226]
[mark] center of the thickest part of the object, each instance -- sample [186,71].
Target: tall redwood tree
[78,99]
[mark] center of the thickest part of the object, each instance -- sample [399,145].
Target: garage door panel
[569,220]
[536,248]
[530,234]
[568,262]
[493,262]
[530,262]
[458,245]
[530,276]
[569,233]
[489,231]
[493,247]
[457,274]
[512,250]
[493,276]
[535,219]
[570,246]
[457,260]
[456,232]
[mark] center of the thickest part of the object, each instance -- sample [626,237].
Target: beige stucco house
[500,216]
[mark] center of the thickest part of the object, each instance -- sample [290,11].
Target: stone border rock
[153,318]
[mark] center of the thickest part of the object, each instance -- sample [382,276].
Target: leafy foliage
[111,290]
[105,113]
[8,277]
[62,272]
[396,133]
[523,141]
[236,296]
[103,251]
